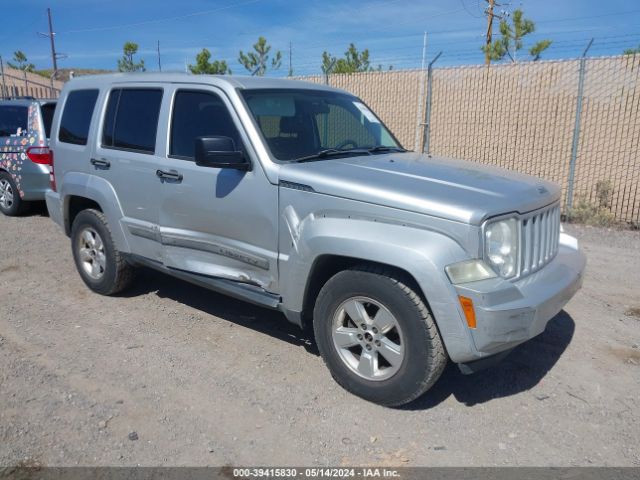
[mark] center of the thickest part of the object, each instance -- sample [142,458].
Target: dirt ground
[206,380]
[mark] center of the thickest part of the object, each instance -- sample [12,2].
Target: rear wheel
[102,268]
[377,337]
[10,202]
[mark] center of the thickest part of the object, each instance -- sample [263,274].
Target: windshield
[298,123]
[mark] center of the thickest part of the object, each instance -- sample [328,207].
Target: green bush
[596,213]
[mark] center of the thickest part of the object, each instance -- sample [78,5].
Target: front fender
[421,252]
[100,191]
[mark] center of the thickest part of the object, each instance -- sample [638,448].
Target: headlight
[501,246]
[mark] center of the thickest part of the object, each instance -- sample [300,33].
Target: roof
[25,102]
[235,81]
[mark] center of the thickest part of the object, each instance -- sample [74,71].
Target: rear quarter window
[76,117]
[47,117]
[13,120]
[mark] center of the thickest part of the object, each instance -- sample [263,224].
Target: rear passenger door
[126,156]
[219,222]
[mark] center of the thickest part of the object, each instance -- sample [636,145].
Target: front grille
[539,239]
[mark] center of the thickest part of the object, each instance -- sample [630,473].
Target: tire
[402,363]
[102,268]
[10,202]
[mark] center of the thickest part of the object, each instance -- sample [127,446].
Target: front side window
[131,119]
[300,123]
[13,120]
[199,114]
[76,118]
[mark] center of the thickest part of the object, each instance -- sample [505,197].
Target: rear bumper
[54,206]
[510,313]
[33,180]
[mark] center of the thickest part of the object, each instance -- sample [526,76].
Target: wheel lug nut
[363,326]
[375,330]
[368,347]
[377,343]
[359,336]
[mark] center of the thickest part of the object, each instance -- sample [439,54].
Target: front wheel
[377,337]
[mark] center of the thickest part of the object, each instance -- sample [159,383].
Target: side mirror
[219,152]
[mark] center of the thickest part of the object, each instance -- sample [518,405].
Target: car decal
[13,148]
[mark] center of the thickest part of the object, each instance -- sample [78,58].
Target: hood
[454,189]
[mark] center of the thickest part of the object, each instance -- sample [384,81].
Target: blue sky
[92,32]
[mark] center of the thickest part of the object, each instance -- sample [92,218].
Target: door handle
[170,175]
[100,163]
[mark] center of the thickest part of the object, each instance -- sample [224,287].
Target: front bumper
[510,313]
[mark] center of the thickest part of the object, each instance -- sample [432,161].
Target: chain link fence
[532,117]
[18,83]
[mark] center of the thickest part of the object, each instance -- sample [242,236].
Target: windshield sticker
[368,114]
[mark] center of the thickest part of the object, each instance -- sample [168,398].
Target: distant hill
[64,73]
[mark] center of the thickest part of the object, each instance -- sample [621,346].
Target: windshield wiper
[330,152]
[384,148]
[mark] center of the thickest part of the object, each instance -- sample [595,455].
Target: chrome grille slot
[539,239]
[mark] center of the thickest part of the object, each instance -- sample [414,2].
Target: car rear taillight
[41,155]
[52,175]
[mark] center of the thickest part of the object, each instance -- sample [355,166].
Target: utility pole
[159,63]
[290,62]
[53,45]
[51,35]
[490,15]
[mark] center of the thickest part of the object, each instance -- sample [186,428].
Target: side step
[242,291]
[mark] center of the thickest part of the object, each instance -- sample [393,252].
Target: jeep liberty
[295,196]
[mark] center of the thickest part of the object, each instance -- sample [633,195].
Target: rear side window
[131,119]
[76,118]
[13,119]
[47,117]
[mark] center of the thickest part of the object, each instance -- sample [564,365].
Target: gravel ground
[206,380]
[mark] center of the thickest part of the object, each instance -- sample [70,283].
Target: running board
[241,291]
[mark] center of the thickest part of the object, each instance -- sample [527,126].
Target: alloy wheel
[91,253]
[368,338]
[6,194]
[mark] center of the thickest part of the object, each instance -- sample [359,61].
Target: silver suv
[296,197]
[25,124]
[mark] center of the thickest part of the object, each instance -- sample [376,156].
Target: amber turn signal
[469,312]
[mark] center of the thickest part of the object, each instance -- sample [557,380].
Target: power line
[22,30]
[588,17]
[468,11]
[161,20]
